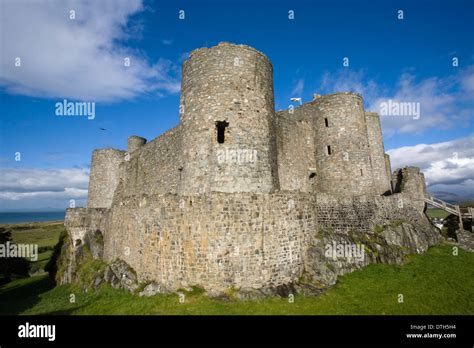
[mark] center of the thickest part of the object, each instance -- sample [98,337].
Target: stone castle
[239,196]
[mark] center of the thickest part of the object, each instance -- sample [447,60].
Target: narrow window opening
[361,173]
[221,126]
[329,149]
[326,122]
[180,169]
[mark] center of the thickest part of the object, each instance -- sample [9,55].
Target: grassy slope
[45,234]
[437,213]
[434,283]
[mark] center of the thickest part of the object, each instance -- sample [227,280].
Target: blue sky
[407,59]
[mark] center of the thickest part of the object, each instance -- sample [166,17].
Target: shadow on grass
[63,312]
[18,298]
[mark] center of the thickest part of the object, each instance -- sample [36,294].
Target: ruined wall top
[231,45]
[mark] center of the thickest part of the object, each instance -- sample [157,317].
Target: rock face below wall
[466,240]
[327,256]
[380,229]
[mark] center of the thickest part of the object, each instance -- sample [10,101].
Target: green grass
[437,213]
[44,234]
[434,283]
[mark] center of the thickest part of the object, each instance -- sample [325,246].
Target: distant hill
[451,197]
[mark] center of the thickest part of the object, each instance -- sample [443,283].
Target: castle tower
[104,177]
[342,149]
[227,120]
[388,169]
[382,180]
[411,182]
[135,143]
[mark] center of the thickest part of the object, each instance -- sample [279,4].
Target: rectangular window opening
[361,172]
[326,122]
[220,127]
[329,149]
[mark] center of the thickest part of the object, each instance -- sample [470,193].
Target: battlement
[325,98]
[202,50]
[331,97]
[135,143]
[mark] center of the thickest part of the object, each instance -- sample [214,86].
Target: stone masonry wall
[388,168]
[362,213]
[152,169]
[135,143]
[81,220]
[410,181]
[247,241]
[215,240]
[296,149]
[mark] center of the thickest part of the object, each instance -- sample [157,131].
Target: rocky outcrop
[410,238]
[332,254]
[465,240]
[121,276]
[153,289]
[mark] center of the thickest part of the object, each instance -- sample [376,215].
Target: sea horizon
[31,216]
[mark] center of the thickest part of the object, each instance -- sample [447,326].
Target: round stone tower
[104,177]
[377,154]
[227,121]
[342,150]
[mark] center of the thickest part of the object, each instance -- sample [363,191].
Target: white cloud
[436,102]
[448,166]
[444,102]
[467,81]
[81,58]
[347,80]
[298,89]
[47,188]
